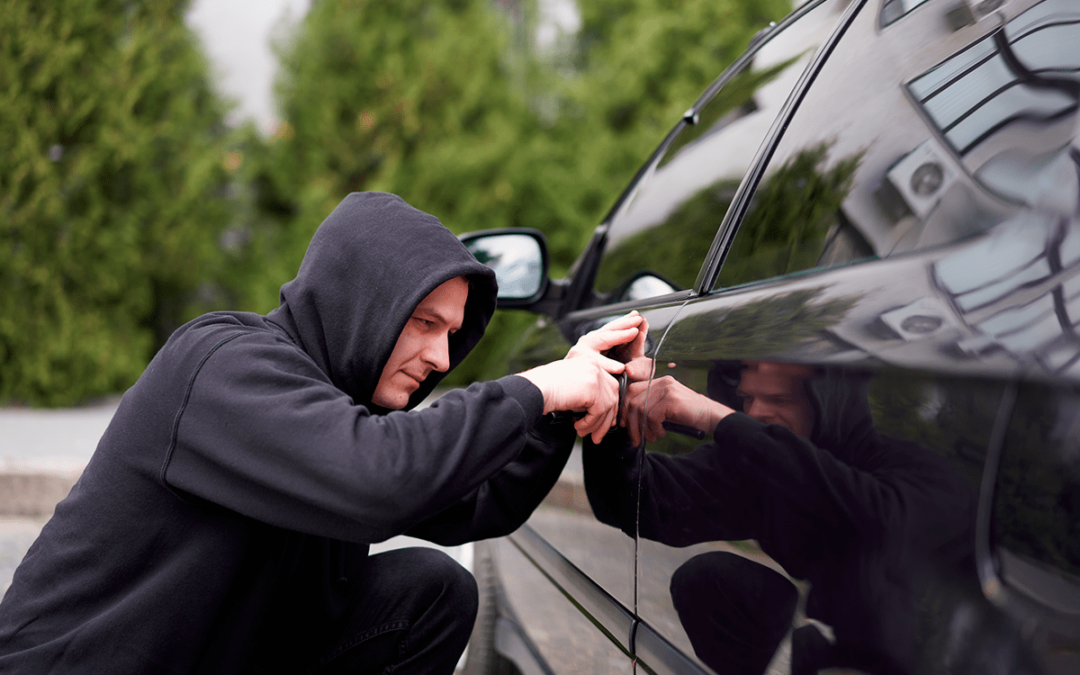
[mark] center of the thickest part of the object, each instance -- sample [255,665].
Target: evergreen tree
[112,190]
[450,105]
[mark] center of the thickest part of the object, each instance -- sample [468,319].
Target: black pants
[414,614]
[405,611]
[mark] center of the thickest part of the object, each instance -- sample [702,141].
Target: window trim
[740,204]
[583,282]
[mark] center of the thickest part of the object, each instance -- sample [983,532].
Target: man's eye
[424,322]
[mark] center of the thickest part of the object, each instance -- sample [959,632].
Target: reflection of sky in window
[1036,272]
[1071,289]
[987,96]
[516,261]
[891,10]
[1041,49]
[1028,328]
[1048,15]
[1070,248]
[1031,338]
[939,77]
[1013,319]
[1015,102]
[1059,355]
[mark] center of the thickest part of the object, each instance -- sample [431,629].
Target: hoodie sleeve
[504,502]
[263,432]
[684,500]
[892,492]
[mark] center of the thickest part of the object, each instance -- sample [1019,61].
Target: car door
[904,254]
[647,256]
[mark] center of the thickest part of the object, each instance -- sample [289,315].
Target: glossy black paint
[880,202]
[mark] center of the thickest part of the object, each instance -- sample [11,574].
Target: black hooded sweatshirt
[243,476]
[870,521]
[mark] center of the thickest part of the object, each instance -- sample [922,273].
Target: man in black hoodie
[223,524]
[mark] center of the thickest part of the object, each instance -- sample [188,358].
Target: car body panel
[881,199]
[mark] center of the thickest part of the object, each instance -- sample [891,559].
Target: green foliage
[673,247]
[111,192]
[451,106]
[126,207]
[759,329]
[679,241]
[793,211]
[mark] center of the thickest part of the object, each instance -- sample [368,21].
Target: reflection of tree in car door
[790,218]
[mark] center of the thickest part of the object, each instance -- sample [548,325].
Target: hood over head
[843,423]
[370,263]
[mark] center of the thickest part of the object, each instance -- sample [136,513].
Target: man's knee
[442,582]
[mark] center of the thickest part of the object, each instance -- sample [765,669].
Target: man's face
[773,393]
[424,344]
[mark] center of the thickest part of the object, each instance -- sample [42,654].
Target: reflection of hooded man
[859,515]
[222,525]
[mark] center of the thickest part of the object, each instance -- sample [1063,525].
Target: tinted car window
[891,10]
[657,241]
[889,155]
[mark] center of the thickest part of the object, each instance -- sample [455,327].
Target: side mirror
[519,258]
[647,285]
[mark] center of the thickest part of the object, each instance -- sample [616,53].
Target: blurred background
[164,158]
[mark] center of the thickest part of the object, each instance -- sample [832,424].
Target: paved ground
[42,453]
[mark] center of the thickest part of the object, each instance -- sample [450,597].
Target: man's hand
[627,330]
[583,381]
[668,401]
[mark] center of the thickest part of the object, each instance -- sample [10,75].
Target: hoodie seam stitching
[175,433]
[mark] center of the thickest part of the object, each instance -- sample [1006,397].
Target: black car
[878,206]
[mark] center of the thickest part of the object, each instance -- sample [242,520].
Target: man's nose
[760,411]
[437,354]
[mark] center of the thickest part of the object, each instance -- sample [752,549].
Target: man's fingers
[636,349]
[604,339]
[632,318]
[614,333]
[639,369]
[601,412]
[610,365]
[635,410]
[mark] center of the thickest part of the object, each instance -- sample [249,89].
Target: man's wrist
[525,392]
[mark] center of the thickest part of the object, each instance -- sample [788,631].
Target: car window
[891,10]
[658,239]
[889,154]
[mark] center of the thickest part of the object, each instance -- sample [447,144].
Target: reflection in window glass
[1021,73]
[668,226]
[875,164]
[793,224]
[891,10]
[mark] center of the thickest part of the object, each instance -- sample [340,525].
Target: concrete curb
[33,495]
